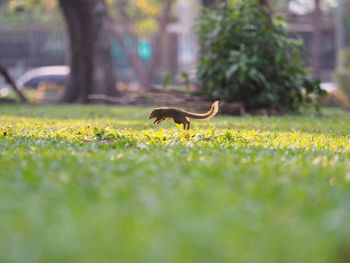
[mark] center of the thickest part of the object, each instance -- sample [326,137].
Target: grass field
[103,184]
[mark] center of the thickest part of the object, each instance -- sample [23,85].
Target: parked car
[52,74]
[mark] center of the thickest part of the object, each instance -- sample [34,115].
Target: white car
[51,74]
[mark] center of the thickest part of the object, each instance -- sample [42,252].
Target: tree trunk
[209,3]
[316,40]
[265,3]
[268,11]
[158,39]
[90,60]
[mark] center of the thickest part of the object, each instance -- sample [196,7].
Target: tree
[157,18]
[91,61]
[316,39]
[89,39]
[89,26]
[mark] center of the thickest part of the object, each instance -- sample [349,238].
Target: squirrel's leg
[187,124]
[157,121]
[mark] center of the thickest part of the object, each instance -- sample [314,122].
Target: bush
[247,58]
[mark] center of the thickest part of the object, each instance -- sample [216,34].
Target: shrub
[246,57]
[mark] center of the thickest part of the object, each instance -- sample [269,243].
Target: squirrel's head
[154,114]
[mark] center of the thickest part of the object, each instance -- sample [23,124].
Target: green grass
[103,184]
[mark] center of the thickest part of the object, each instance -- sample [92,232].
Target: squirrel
[181,116]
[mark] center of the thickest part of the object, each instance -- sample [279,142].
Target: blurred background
[154,42]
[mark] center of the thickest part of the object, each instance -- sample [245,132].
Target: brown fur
[181,116]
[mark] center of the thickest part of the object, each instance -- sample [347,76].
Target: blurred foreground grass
[103,184]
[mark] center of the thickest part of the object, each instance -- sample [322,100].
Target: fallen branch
[12,83]
[170,98]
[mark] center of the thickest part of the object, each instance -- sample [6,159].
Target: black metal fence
[28,46]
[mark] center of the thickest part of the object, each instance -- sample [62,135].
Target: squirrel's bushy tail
[205,116]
